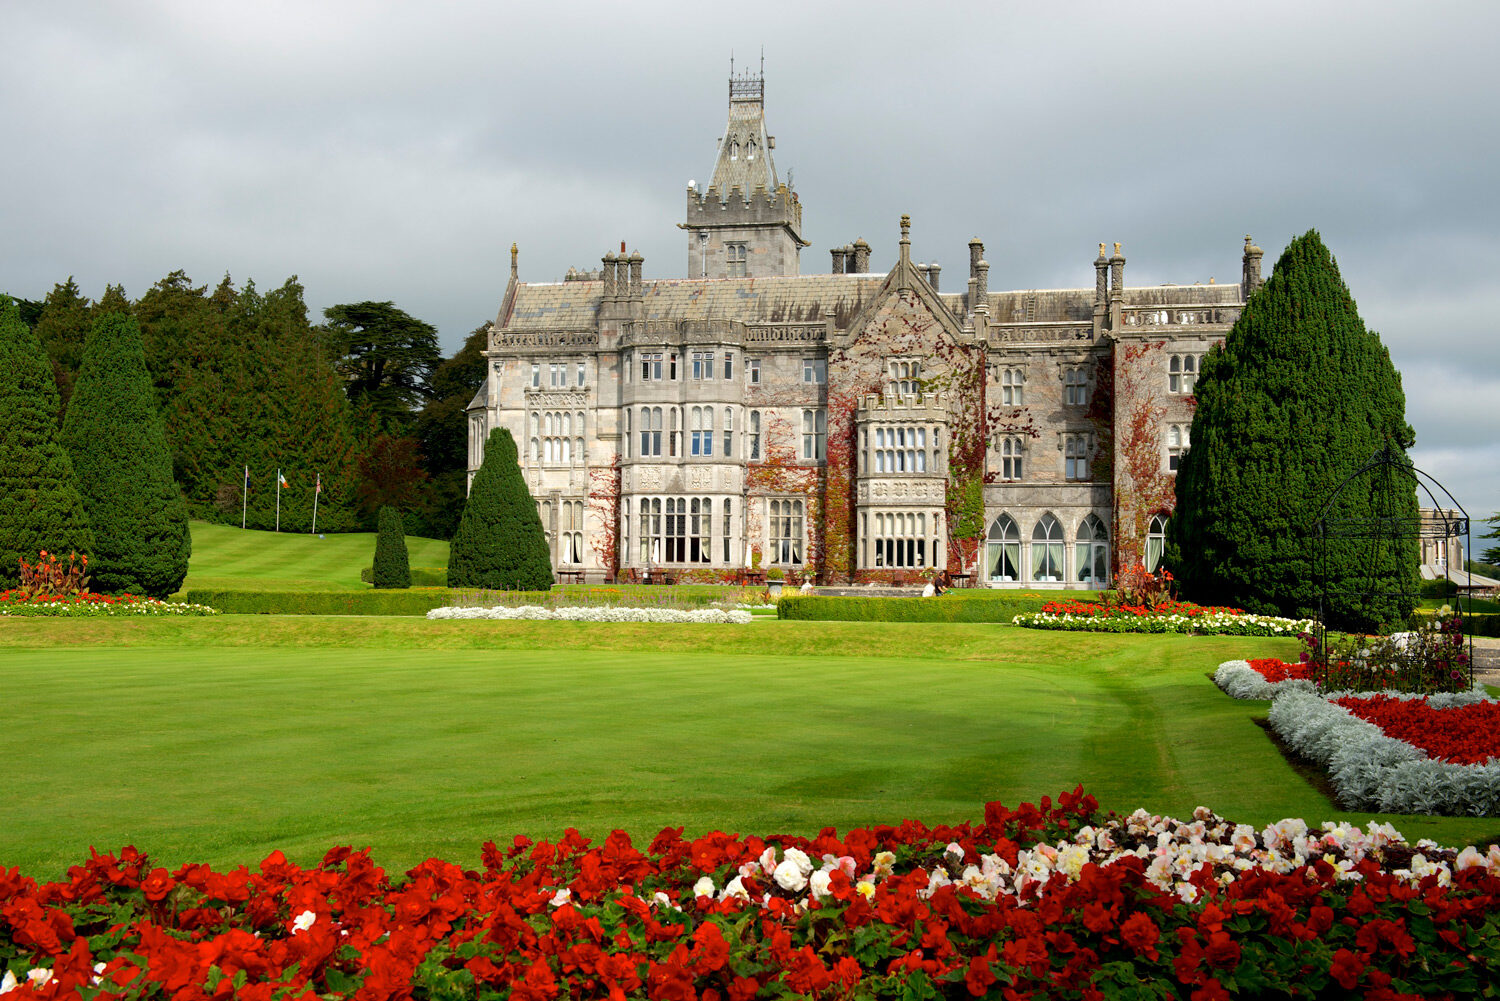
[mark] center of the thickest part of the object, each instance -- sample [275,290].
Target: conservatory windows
[1092,552]
[1047,550]
[1002,550]
[1156,541]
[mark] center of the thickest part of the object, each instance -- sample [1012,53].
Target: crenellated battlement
[735,208]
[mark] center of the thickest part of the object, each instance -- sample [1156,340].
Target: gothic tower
[748,223]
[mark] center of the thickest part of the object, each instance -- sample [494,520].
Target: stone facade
[853,425]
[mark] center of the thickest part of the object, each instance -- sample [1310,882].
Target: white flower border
[1370,770]
[598,613]
[1207,624]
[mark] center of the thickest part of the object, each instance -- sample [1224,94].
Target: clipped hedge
[829,608]
[395,602]
[1479,623]
[420,576]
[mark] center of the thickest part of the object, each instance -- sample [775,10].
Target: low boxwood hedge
[412,601]
[420,576]
[872,609]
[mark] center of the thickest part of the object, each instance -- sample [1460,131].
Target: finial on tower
[513,252]
[1101,251]
[905,238]
[1117,248]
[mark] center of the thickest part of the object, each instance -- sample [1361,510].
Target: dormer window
[734,150]
[750,150]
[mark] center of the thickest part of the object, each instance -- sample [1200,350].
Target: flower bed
[1262,678]
[1041,902]
[1203,621]
[597,613]
[1463,735]
[1371,769]
[90,604]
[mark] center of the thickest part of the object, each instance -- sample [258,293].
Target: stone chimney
[932,274]
[838,260]
[635,260]
[982,286]
[1101,279]
[861,256]
[610,288]
[1251,279]
[1117,276]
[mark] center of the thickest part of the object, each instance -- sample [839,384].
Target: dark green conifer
[1299,398]
[40,508]
[392,568]
[500,543]
[114,436]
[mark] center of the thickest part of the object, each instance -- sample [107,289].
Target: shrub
[114,435]
[500,543]
[392,569]
[40,507]
[409,601]
[1442,588]
[420,576]
[826,608]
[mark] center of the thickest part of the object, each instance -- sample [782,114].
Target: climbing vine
[604,500]
[1142,486]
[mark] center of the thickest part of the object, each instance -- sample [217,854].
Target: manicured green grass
[221,740]
[232,558]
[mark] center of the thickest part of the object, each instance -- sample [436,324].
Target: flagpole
[244,498]
[317,490]
[278,500]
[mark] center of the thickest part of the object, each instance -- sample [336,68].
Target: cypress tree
[40,508]
[392,568]
[500,543]
[1300,397]
[114,436]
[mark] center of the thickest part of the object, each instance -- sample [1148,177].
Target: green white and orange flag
[281,479]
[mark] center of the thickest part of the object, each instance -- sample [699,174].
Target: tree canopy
[1300,397]
[386,356]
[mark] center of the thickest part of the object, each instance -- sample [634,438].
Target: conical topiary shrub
[114,436]
[40,508]
[500,543]
[392,569]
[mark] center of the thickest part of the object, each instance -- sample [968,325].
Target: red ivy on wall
[1142,486]
[604,499]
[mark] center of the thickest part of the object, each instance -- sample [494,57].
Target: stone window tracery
[1047,550]
[1182,373]
[1012,387]
[1092,552]
[1011,452]
[815,434]
[1002,556]
[900,539]
[785,525]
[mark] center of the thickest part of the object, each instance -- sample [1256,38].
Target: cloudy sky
[383,150]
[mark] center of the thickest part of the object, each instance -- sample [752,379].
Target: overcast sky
[395,151]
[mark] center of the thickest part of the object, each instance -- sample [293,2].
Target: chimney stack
[635,275]
[932,274]
[838,260]
[861,256]
[1251,276]
[610,288]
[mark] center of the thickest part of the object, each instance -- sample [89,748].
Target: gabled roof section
[745,151]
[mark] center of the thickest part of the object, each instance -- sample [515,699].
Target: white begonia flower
[1071,860]
[1468,859]
[1243,838]
[799,857]
[885,863]
[303,921]
[704,887]
[954,849]
[40,976]
[789,876]
[7,983]
[735,888]
[1188,892]
[660,899]
[818,884]
[561,897]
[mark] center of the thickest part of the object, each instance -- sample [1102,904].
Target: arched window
[1047,550]
[1156,541]
[1002,557]
[1093,552]
[755,434]
[1010,459]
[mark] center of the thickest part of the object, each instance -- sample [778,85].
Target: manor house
[848,425]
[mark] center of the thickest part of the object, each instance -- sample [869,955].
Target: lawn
[231,558]
[221,740]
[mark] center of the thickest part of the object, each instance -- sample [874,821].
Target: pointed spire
[513,253]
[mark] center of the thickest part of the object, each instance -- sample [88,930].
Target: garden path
[1487,659]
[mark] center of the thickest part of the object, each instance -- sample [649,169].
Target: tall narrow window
[728,530]
[674,434]
[728,449]
[1075,387]
[786,531]
[580,373]
[536,375]
[737,260]
[815,434]
[703,365]
[1075,457]
[728,365]
[1012,384]
[755,435]
[650,366]
[1010,459]
[1182,373]
[650,431]
[752,370]
[672,366]
[1177,444]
